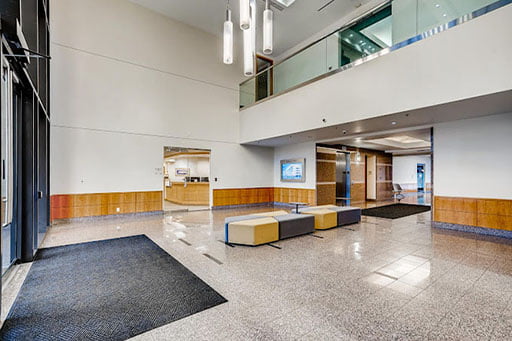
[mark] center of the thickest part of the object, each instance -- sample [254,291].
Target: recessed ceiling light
[286,3]
[393,123]
[444,15]
[437,5]
[404,139]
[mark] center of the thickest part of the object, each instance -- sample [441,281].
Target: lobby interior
[331,170]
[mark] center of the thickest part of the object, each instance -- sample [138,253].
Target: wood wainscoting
[490,213]
[326,178]
[288,195]
[242,196]
[260,195]
[66,206]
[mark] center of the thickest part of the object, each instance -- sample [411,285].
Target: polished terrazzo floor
[380,279]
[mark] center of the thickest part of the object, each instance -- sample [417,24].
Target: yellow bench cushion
[254,231]
[326,206]
[324,218]
[271,214]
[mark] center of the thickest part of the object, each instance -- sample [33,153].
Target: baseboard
[64,221]
[473,229]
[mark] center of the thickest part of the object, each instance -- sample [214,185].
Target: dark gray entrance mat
[394,211]
[104,290]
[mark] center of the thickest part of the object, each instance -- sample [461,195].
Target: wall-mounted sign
[293,170]
[182,171]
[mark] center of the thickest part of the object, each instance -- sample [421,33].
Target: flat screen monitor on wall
[293,170]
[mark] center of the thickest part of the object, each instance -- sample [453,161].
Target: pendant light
[248,54]
[250,41]
[245,15]
[228,38]
[268,23]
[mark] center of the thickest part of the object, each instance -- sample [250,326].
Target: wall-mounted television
[293,170]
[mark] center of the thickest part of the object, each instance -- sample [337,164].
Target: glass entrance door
[420,174]
[6,168]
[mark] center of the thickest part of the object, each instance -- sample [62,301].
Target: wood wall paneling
[491,213]
[246,196]
[326,194]
[326,156]
[195,193]
[384,190]
[66,206]
[325,171]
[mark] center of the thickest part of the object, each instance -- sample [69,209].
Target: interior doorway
[265,80]
[186,179]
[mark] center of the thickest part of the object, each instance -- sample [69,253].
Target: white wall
[126,82]
[405,169]
[93,161]
[472,158]
[296,151]
[438,67]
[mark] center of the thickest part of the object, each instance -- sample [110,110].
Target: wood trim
[194,193]
[481,212]
[66,206]
[258,195]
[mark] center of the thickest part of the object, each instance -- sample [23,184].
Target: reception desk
[191,193]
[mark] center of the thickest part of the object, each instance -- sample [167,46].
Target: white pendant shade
[268,18]
[228,39]
[248,54]
[245,15]
[250,42]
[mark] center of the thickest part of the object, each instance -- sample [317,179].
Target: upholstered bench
[229,220]
[346,214]
[292,225]
[256,231]
[324,218]
[271,214]
[266,227]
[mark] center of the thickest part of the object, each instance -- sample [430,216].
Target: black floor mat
[105,290]
[394,211]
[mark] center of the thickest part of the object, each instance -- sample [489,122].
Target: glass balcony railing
[390,26]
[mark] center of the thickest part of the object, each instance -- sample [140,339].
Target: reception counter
[191,193]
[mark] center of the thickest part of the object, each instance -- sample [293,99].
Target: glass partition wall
[388,27]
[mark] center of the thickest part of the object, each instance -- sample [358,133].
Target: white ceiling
[396,142]
[292,25]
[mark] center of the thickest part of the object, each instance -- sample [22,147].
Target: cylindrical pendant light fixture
[268,23]
[248,54]
[250,41]
[245,15]
[228,38]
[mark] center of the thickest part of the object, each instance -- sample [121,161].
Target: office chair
[397,192]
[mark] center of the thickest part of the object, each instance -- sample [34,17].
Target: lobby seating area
[267,227]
